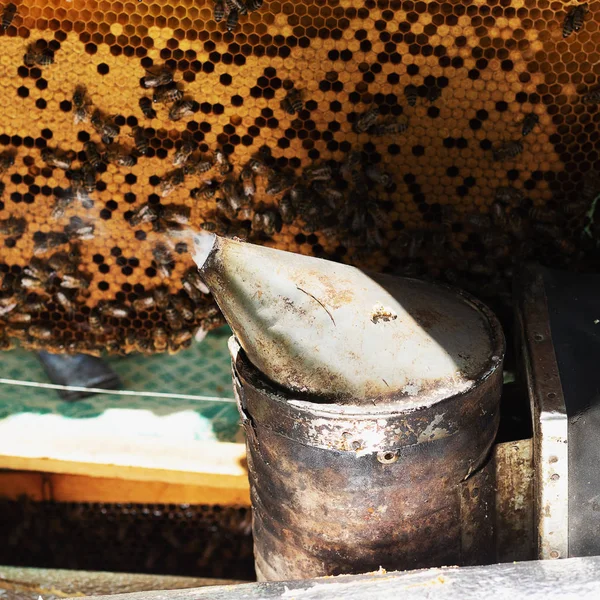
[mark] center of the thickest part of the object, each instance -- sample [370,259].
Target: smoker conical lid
[333,332]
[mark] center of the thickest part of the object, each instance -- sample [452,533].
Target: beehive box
[437,180]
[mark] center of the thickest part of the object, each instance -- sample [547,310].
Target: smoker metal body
[348,489]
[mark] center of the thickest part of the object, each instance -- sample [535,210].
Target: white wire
[76,388]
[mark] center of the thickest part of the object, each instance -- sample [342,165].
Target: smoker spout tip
[204,243]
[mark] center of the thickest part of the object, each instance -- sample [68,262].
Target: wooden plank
[60,487]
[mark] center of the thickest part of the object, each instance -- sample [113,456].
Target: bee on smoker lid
[391,128]
[6,162]
[117,156]
[529,123]
[232,20]
[509,149]
[164,259]
[182,108]
[166,94]
[365,120]
[411,93]
[182,155]
[145,104]
[592,97]
[14,226]
[218,10]
[107,130]
[146,213]
[170,181]
[53,158]
[574,19]
[248,186]
[162,76]
[140,140]
[292,103]
[8,14]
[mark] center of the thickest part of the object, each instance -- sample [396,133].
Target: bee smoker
[370,405]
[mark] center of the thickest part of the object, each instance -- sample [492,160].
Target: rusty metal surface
[349,493]
[550,423]
[329,331]
[514,501]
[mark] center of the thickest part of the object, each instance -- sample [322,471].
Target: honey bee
[6,162]
[146,108]
[159,335]
[164,259]
[19,318]
[180,338]
[118,157]
[391,128]
[182,155]
[40,332]
[36,56]
[197,167]
[7,305]
[277,183]
[248,186]
[529,123]
[81,104]
[478,221]
[508,150]
[508,195]
[376,176]
[574,19]
[140,140]
[78,229]
[292,103]
[411,94]
[317,173]
[238,5]
[433,93]
[173,318]
[14,226]
[592,97]
[170,181]
[543,215]
[365,120]
[232,20]
[192,279]
[166,94]
[144,303]
[287,210]
[269,222]
[218,10]
[95,320]
[222,162]
[73,282]
[106,130]
[565,245]
[548,229]
[209,226]
[48,241]
[55,159]
[88,177]
[590,186]
[206,192]
[8,14]
[161,77]
[257,164]
[493,238]
[253,5]
[144,214]
[498,214]
[575,208]
[184,307]
[181,109]
[93,156]
[161,297]
[114,310]
[65,301]
[176,214]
